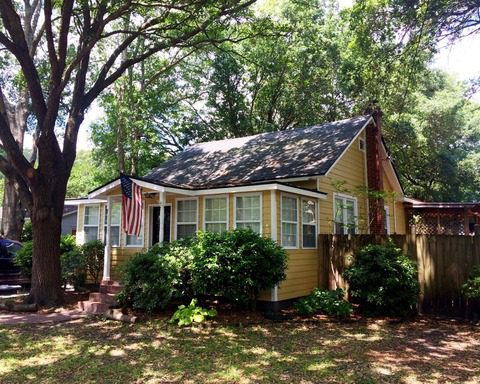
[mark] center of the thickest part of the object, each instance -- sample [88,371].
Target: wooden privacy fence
[443,262]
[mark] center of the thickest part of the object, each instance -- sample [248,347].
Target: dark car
[9,272]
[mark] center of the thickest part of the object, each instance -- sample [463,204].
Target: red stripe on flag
[132,211]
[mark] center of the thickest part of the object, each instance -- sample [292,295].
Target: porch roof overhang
[101,193]
[83,200]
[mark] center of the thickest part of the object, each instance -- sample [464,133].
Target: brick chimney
[375,170]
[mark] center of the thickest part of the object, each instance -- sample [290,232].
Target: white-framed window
[309,223]
[115,221]
[289,220]
[345,214]
[248,212]
[186,218]
[216,214]
[386,220]
[91,221]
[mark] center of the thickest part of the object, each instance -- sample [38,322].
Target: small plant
[93,253]
[471,288]
[328,302]
[192,314]
[383,281]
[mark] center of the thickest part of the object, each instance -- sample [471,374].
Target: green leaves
[322,300]
[382,280]
[192,314]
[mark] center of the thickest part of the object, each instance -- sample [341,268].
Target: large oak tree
[80,52]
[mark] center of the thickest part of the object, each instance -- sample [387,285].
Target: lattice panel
[438,224]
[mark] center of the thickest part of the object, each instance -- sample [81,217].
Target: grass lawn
[318,351]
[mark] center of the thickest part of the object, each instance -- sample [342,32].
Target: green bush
[383,281]
[93,253]
[471,288]
[191,314]
[323,300]
[152,278]
[27,232]
[236,265]
[72,261]
[23,258]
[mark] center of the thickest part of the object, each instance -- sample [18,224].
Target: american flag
[132,206]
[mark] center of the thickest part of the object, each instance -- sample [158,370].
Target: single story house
[289,185]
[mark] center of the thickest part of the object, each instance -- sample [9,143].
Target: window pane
[248,208]
[186,230]
[91,233]
[289,235]
[289,209]
[91,215]
[350,210]
[215,227]
[308,212]
[309,236]
[115,236]
[254,226]
[116,214]
[135,240]
[187,211]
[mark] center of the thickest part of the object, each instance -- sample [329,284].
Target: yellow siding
[302,274]
[348,176]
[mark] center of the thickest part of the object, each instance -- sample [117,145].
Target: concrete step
[107,298]
[93,307]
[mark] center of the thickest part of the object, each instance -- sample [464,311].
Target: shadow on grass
[304,352]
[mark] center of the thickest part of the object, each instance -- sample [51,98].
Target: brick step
[107,298]
[93,307]
[110,286]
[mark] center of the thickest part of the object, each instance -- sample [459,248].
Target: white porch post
[108,249]
[273,231]
[162,217]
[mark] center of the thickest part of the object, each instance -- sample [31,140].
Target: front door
[156,225]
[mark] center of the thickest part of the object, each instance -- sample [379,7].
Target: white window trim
[150,222]
[260,195]
[211,197]
[355,208]
[315,225]
[90,225]
[387,218]
[185,223]
[282,195]
[119,225]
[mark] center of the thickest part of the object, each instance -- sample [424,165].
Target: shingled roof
[269,156]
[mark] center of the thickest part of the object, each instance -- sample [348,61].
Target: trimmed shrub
[152,278]
[383,281]
[236,265]
[323,300]
[93,253]
[471,288]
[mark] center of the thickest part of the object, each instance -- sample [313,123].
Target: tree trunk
[46,289]
[13,215]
